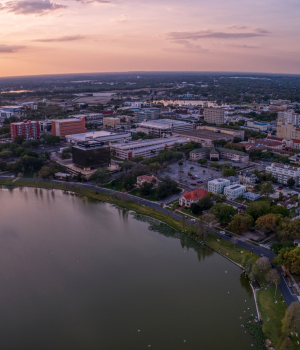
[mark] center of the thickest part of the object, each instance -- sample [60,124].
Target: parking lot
[201,174]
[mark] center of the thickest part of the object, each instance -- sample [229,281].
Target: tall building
[145,114]
[29,128]
[89,155]
[289,117]
[288,131]
[214,115]
[63,127]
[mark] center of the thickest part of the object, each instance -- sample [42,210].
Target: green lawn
[151,197]
[271,313]
[228,249]
[188,211]
[117,187]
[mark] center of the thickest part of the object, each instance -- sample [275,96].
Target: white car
[223,232]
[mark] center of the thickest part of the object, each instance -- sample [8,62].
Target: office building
[90,155]
[110,122]
[163,127]
[146,148]
[284,172]
[218,185]
[29,128]
[257,125]
[234,191]
[9,111]
[64,127]
[99,136]
[145,114]
[214,115]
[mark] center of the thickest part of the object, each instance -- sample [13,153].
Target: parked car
[193,178]
[193,220]
[290,285]
[279,188]
[197,176]
[223,232]
[199,182]
[262,255]
[228,235]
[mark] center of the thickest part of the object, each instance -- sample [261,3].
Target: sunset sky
[69,36]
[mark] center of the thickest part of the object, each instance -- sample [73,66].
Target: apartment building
[64,127]
[284,172]
[214,115]
[145,148]
[29,128]
[218,185]
[234,191]
[109,122]
[289,117]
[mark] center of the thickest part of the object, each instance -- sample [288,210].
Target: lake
[77,274]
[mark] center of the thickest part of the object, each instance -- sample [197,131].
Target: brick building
[71,126]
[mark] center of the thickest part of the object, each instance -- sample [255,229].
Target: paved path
[284,289]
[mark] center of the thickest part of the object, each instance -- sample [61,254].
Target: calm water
[79,274]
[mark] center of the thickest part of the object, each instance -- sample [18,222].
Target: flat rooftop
[69,120]
[235,187]
[218,181]
[149,143]
[163,123]
[206,134]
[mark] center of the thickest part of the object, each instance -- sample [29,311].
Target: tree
[291,260]
[195,209]
[139,169]
[19,139]
[66,152]
[51,139]
[205,203]
[126,165]
[277,246]
[291,318]
[154,167]
[278,209]
[228,172]
[267,189]
[145,189]
[263,263]
[166,188]
[267,223]
[137,159]
[288,230]
[257,209]
[101,175]
[128,182]
[241,223]
[46,171]
[223,212]
[3,166]
[202,161]
[237,140]
[273,277]
[291,182]
[180,163]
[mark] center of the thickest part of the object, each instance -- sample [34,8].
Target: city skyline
[66,36]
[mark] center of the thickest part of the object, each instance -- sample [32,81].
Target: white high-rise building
[217,185]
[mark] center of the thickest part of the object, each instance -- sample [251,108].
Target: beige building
[110,122]
[288,131]
[214,115]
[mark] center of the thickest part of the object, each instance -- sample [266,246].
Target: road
[284,289]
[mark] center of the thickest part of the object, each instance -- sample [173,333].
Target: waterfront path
[284,289]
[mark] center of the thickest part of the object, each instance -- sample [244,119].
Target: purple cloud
[31,7]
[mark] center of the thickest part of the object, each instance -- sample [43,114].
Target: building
[163,127]
[289,117]
[219,153]
[45,125]
[234,191]
[64,127]
[289,204]
[218,185]
[187,199]
[146,148]
[146,178]
[145,114]
[99,136]
[248,179]
[9,111]
[29,128]
[110,122]
[284,172]
[214,115]
[257,125]
[88,116]
[251,196]
[205,135]
[90,155]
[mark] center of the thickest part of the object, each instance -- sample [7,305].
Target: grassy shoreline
[270,315]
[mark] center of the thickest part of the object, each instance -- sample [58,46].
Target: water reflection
[245,284]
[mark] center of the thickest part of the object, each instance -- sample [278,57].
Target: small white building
[218,185]
[234,191]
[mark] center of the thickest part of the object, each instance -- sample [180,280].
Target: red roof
[274,138]
[296,141]
[146,178]
[196,194]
